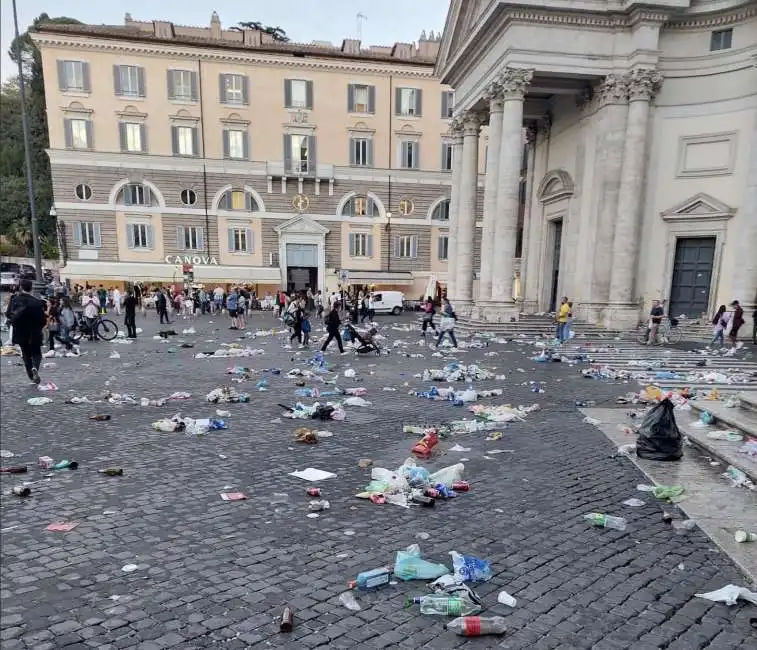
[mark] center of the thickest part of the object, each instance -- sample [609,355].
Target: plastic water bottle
[606,521]
[440,605]
[477,625]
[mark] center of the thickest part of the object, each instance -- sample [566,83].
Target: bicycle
[104,328]
[667,332]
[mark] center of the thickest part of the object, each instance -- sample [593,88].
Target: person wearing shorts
[231,305]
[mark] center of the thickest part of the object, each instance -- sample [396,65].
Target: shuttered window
[361,152]
[298,93]
[78,133]
[406,246]
[361,98]
[190,238]
[448,103]
[409,154]
[87,234]
[240,240]
[74,75]
[182,85]
[133,137]
[129,80]
[139,235]
[233,89]
[443,247]
[407,102]
[361,244]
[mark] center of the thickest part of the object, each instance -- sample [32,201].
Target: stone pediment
[556,185]
[302,224]
[699,206]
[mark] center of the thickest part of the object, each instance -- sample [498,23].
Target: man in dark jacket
[332,327]
[130,315]
[161,304]
[27,315]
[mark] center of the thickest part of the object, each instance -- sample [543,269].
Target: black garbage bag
[659,437]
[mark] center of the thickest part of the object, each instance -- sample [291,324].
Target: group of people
[447,322]
[727,322]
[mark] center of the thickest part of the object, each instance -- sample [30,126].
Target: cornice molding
[721,19]
[96,44]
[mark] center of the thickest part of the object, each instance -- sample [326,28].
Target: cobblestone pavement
[213,573]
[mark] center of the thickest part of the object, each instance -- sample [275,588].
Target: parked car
[27,272]
[8,280]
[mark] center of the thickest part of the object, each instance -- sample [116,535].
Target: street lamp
[58,237]
[388,229]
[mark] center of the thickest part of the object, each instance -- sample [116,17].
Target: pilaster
[456,130]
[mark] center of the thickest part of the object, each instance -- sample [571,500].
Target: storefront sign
[195,260]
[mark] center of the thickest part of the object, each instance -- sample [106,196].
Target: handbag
[447,323]
[53,326]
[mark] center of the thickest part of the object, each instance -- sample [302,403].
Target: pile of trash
[189,425]
[504,413]
[413,484]
[318,411]
[458,398]
[598,371]
[226,395]
[457,372]
[228,352]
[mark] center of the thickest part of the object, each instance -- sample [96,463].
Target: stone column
[745,270]
[530,163]
[613,101]
[494,96]
[514,85]
[642,85]
[466,213]
[456,129]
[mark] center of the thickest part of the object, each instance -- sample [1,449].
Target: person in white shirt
[117,301]
[91,304]
[333,298]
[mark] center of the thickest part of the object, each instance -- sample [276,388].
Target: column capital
[472,121]
[514,82]
[456,127]
[643,84]
[493,95]
[531,131]
[613,89]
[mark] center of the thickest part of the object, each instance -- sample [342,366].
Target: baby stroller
[367,342]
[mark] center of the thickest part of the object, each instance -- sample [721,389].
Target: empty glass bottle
[443,605]
[606,521]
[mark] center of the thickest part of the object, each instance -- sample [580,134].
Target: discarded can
[742,536]
[100,418]
[423,500]
[287,619]
[21,491]
[317,506]
[45,462]
[461,486]
[18,469]
[112,471]
[314,492]
[667,517]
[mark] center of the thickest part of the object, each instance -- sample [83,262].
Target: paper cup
[743,536]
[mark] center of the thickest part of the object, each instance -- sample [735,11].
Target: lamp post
[388,229]
[28,156]
[58,238]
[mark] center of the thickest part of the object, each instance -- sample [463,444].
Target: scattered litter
[349,373]
[477,625]
[634,503]
[39,401]
[226,394]
[349,532]
[312,474]
[4,453]
[459,448]
[114,355]
[738,478]
[730,436]
[408,565]
[222,414]
[63,526]
[627,450]
[469,568]
[669,493]
[729,595]
[348,600]
[47,386]
[659,436]
[506,599]
[233,496]
[606,521]
[129,568]
[356,401]
[364,463]
[302,434]
[318,506]
[742,536]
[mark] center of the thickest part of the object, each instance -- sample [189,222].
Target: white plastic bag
[729,595]
[447,475]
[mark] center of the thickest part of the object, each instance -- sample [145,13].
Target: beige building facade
[639,177]
[274,164]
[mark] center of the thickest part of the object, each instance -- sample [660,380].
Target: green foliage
[277,33]
[15,216]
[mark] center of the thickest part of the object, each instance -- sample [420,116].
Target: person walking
[720,322]
[294,320]
[231,307]
[447,324]
[27,315]
[91,310]
[562,320]
[161,305]
[117,300]
[241,310]
[656,315]
[319,304]
[102,296]
[333,322]
[130,315]
[67,322]
[737,320]
[306,329]
[371,307]
[428,316]
[53,326]
[363,307]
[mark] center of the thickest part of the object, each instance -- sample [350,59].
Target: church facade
[621,162]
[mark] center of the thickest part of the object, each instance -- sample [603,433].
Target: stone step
[749,402]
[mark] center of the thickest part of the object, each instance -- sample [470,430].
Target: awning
[381,277]
[145,271]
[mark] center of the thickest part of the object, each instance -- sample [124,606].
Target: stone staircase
[741,419]
[532,325]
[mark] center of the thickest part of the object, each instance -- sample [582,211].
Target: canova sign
[195,260]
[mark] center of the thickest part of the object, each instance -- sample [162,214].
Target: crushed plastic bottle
[606,521]
[477,625]
[444,605]
[349,601]
[469,568]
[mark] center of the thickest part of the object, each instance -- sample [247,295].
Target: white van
[388,302]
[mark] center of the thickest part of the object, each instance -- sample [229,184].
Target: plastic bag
[659,437]
[729,595]
[469,568]
[409,566]
[447,475]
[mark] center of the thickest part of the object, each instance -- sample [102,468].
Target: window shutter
[90,137]
[486,157]
[143,136]
[68,133]
[311,155]
[403,154]
[117,79]
[369,146]
[62,81]
[248,240]
[440,248]
[170,84]
[352,244]
[226,200]
[443,164]
[418,101]
[193,86]
[222,88]
[371,99]
[130,235]
[350,98]
[414,246]
[398,101]
[98,238]
[231,240]
[353,153]
[175,140]
[141,89]
[127,194]
[86,84]
[148,232]
[369,245]
[246,145]
[147,194]
[309,94]
[245,90]
[77,233]
[180,238]
[287,153]
[416,155]
[248,201]
[288,93]
[368,207]
[445,104]
[122,135]
[396,247]
[195,141]
[200,239]
[226,144]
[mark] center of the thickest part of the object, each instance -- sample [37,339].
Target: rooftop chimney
[215,26]
[351,46]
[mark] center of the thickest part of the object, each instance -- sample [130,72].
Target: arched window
[134,194]
[359,206]
[238,200]
[441,211]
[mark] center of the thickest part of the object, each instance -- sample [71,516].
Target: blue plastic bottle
[372,579]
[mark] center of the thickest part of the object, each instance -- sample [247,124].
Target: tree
[14,207]
[277,33]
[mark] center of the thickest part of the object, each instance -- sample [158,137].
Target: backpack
[288,318]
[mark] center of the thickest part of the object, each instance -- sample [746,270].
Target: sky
[387,21]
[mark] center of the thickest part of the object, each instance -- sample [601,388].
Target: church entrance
[302,267]
[692,275]
[556,227]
